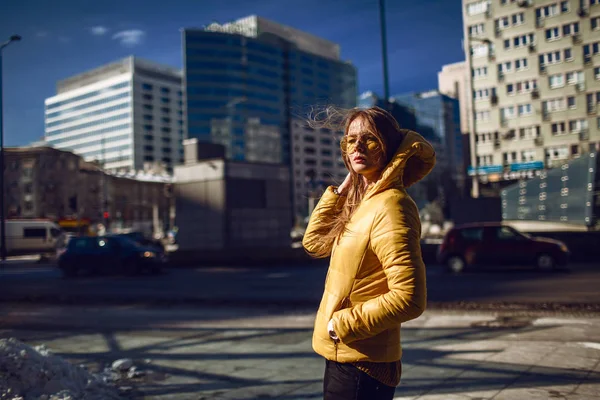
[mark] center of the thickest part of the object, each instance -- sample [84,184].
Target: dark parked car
[108,254]
[480,245]
[141,239]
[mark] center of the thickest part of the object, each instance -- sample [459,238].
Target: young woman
[370,228]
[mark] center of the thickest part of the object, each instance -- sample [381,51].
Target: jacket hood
[413,161]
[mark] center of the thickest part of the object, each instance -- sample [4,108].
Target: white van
[31,236]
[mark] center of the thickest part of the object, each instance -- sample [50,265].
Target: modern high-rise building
[535,85]
[250,85]
[126,115]
[452,81]
[438,120]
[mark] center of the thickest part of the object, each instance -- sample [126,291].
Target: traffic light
[106,215]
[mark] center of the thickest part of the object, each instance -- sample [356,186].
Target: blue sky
[66,37]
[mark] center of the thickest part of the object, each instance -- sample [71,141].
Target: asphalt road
[299,286]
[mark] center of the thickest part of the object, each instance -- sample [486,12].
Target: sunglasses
[348,144]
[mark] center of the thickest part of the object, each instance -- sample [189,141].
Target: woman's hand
[345,186]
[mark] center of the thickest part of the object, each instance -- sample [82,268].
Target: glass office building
[126,115]
[245,81]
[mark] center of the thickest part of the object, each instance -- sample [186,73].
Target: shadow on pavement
[249,353]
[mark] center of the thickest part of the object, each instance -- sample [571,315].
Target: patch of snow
[34,373]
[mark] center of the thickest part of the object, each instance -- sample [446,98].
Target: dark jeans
[346,382]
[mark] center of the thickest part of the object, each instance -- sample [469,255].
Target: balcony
[538,141]
[539,23]
[497,144]
[524,3]
[584,134]
[531,48]
[576,38]
[580,87]
[494,100]
[535,94]
[582,12]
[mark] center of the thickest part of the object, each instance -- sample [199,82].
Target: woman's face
[363,149]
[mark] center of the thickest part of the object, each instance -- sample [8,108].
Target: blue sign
[526,166]
[486,170]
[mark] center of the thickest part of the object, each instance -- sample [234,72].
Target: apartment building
[534,84]
[125,115]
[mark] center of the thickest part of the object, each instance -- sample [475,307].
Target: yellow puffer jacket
[376,277]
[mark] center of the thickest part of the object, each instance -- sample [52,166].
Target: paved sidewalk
[224,353]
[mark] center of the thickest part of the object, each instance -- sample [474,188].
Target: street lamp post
[472,114]
[386,84]
[13,38]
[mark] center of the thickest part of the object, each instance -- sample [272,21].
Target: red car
[494,244]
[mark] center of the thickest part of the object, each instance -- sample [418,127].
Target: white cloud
[130,37]
[98,30]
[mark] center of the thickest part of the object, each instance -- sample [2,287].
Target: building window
[146,86]
[148,148]
[166,120]
[502,23]
[578,125]
[482,115]
[148,137]
[554,105]
[148,127]
[148,117]
[595,23]
[483,94]
[147,96]
[546,11]
[594,2]
[165,100]
[571,29]
[550,58]
[575,77]
[505,67]
[148,107]
[525,109]
[552,34]
[521,64]
[530,132]
[574,149]
[558,128]
[528,155]
[149,158]
[520,41]
[480,50]
[165,129]
[480,72]
[478,29]
[518,19]
[166,110]
[564,6]
[508,112]
[568,55]
[510,89]
[571,102]
[597,73]
[557,153]
[165,90]
[557,81]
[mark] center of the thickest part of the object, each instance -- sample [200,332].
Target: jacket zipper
[335,343]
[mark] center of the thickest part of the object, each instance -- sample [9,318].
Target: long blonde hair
[386,130]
